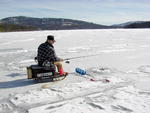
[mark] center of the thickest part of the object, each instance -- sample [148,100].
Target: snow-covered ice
[122,57]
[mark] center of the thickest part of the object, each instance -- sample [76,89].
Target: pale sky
[105,12]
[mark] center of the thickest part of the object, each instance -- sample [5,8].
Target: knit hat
[50,37]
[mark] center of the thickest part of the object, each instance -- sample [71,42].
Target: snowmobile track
[82,95]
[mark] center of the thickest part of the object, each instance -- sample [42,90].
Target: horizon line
[75,19]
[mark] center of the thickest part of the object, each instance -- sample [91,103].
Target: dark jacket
[46,52]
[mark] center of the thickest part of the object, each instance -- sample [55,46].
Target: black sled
[39,73]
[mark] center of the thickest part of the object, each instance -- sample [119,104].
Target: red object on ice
[107,80]
[92,79]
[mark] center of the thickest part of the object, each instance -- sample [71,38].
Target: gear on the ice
[38,73]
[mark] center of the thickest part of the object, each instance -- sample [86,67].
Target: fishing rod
[81,57]
[71,58]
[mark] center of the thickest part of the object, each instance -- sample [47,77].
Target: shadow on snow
[16,83]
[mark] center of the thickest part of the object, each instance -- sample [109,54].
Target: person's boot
[61,72]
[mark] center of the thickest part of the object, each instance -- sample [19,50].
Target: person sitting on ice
[46,55]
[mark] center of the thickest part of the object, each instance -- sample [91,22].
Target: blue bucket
[80,71]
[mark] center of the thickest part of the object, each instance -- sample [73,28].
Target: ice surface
[122,57]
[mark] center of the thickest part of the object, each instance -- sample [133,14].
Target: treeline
[138,25]
[4,27]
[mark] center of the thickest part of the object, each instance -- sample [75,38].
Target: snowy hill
[133,24]
[51,23]
[22,23]
[123,58]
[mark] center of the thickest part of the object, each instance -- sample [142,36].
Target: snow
[122,57]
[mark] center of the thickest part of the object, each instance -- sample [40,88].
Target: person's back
[46,52]
[41,53]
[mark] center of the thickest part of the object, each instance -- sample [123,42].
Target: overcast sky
[106,12]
